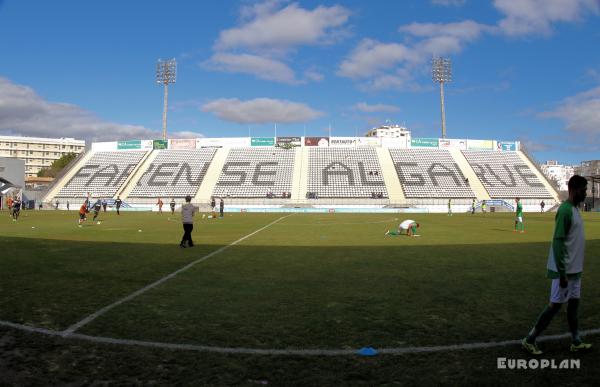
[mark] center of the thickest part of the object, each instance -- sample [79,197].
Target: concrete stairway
[476,185]
[394,189]
[137,175]
[300,182]
[212,176]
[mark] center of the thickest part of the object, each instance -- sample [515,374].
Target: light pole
[441,72]
[166,73]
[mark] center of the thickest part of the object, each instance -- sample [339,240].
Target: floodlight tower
[441,72]
[166,73]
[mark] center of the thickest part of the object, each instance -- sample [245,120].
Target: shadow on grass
[283,296]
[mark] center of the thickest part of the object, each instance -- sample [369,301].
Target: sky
[526,70]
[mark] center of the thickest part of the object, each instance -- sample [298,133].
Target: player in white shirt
[408,227]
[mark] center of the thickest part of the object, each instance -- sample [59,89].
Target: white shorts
[520,219]
[559,295]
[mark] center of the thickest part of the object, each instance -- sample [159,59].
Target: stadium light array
[441,72]
[166,73]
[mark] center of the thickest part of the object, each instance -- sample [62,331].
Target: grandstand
[345,173]
[430,173]
[102,175]
[256,173]
[361,174]
[173,173]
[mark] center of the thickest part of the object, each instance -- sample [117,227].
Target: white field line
[69,331]
[286,352]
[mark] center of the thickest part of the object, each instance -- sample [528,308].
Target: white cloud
[260,67]
[580,113]
[393,65]
[375,108]
[449,3]
[313,75]
[268,34]
[23,112]
[371,57]
[269,27]
[466,30]
[260,111]
[185,134]
[527,17]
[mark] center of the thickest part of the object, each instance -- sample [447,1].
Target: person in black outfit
[172,204]
[97,207]
[118,203]
[221,207]
[187,218]
[16,209]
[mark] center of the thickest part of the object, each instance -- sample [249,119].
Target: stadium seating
[505,175]
[345,173]
[430,173]
[174,173]
[102,175]
[256,173]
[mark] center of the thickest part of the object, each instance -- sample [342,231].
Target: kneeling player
[408,226]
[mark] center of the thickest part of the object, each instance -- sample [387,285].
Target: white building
[390,131]
[558,172]
[38,152]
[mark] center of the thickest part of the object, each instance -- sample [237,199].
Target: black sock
[573,320]
[543,321]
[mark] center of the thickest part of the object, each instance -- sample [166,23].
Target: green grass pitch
[310,281]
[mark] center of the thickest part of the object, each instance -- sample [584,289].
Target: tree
[57,165]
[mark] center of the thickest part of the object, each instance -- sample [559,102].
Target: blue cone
[367,351]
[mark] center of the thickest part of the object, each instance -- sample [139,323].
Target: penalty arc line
[283,352]
[70,330]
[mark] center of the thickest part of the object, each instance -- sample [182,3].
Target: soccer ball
[203,216]
[99,222]
[139,230]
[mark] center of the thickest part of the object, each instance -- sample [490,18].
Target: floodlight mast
[441,72]
[166,73]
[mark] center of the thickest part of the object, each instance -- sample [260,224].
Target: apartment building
[38,152]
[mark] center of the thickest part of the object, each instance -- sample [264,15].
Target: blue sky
[524,70]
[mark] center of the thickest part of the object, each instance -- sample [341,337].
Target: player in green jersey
[519,226]
[565,266]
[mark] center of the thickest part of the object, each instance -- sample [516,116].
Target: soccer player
[408,226]
[221,207]
[118,203]
[483,205]
[473,207]
[97,208]
[519,226]
[449,207]
[82,211]
[67,205]
[565,265]
[16,209]
[172,205]
[104,204]
[187,218]
[9,204]
[542,205]
[56,205]
[159,204]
